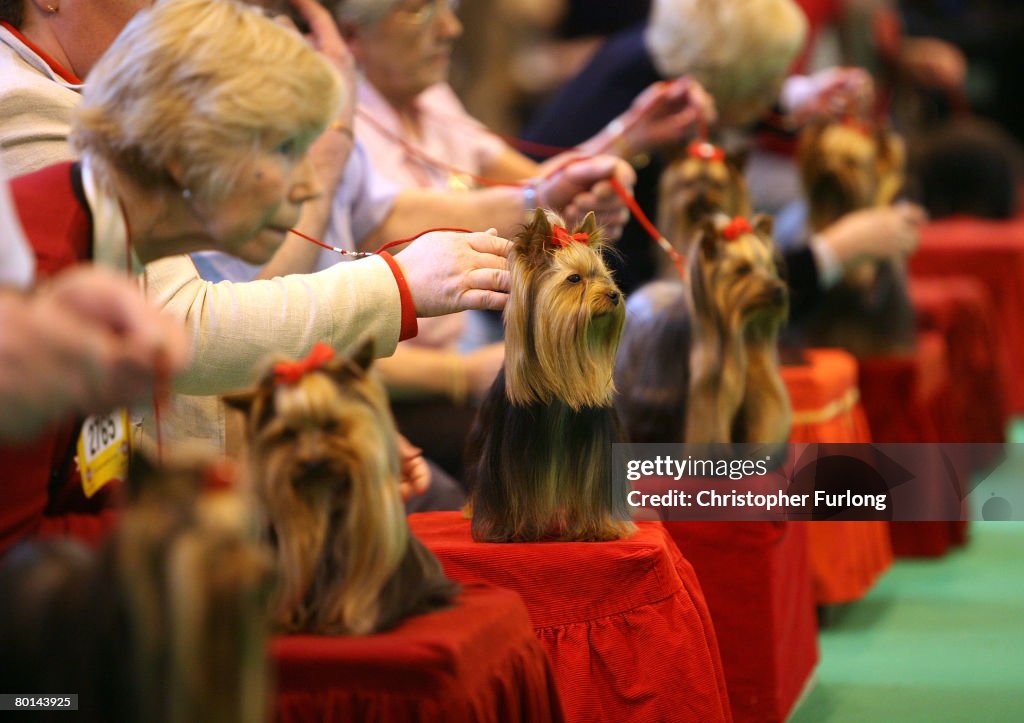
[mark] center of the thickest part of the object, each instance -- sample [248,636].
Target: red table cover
[960,308]
[905,398]
[993,253]
[756,578]
[624,623]
[846,558]
[477,661]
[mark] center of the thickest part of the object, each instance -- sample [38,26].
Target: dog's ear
[737,158]
[141,471]
[890,164]
[708,234]
[532,240]
[241,401]
[362,355]
[764,225]
[589,227]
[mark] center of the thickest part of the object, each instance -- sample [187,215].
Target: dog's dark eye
[744,269]
[574,279]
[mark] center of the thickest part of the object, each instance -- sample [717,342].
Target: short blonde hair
[739,50]
[204,84]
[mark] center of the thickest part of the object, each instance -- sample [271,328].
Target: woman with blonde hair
[193,131]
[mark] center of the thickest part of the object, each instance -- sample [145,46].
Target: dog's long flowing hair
[846,166]
[166,624]
[702,180]
[539,454]
[561,334]
[326,468]
[699,362]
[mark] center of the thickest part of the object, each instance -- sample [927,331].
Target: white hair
[737,49]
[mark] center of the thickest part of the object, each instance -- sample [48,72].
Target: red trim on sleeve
[410,327]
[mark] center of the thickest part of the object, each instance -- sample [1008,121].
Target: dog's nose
[314,466]
[613,296]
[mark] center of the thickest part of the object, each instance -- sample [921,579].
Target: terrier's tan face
[847,158]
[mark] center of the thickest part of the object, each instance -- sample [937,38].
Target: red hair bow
[562,238]
[291,372]
[857,125]
[704,151]
[736,228]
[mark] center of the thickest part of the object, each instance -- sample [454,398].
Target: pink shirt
[448,133]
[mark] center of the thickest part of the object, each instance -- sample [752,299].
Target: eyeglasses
[425,14]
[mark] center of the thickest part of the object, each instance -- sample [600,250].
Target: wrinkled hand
[415,473]
[829,94]
[574,186]
[449,272]
[885,233]
[665,113]
[87,342]
[482,366]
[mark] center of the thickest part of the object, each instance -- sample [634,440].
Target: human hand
[86,342]
[830,93]
[662,115]
[575,186]
[414,470]
[448,272]
[933,63]
[482,366]
[884,233]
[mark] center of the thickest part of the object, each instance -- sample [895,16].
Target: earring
[186,194]
[51,9]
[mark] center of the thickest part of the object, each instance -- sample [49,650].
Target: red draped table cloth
[624,623]
[906,399]
[993,253]
[846,557]
[477,661]
[756,579]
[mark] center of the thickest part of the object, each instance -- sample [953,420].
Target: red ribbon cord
[736,228]
[704,151]
[291,372]
[561,237]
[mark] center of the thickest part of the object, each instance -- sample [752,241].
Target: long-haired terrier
[698,183]
[846,166]
[725,320]
[325,462]
[166,623]
[539,454]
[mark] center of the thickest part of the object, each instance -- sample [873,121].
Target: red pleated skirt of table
[624,623]
[476,662]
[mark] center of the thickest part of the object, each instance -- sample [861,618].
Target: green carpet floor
[934,640]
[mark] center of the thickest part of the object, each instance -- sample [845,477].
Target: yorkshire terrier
[325,462]
[698,183]
[166,623]
[846,166]
[539,454]
[725,320]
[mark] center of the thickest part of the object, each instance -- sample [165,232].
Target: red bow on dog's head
[561,238]
[736,228]
[291,372]
[704,151]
